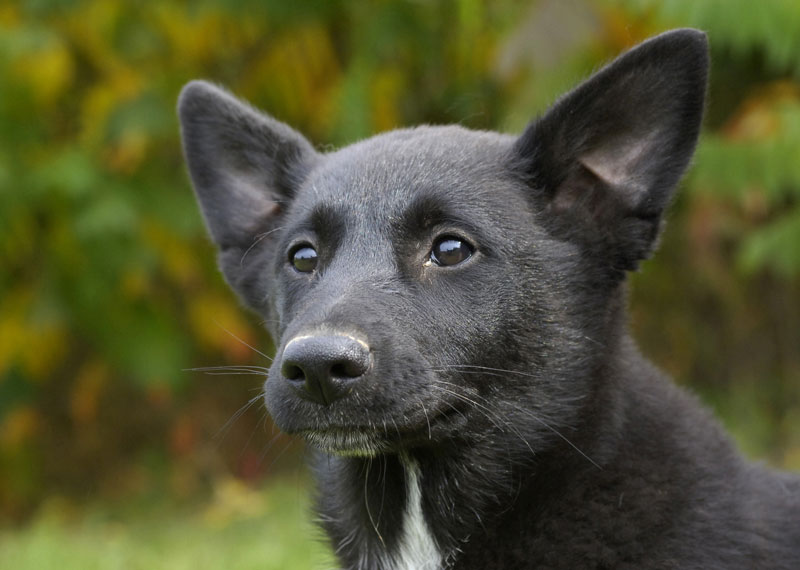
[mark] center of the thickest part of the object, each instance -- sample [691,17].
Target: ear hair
[243,163]
[607,156]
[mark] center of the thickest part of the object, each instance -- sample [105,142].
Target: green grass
[238,529]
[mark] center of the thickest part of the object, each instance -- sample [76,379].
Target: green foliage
[755,157]
[739,26]
[108,288]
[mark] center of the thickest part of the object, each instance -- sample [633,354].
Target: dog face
[436,285]
[404,258]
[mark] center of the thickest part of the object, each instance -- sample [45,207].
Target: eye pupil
[449,251]
[304,259]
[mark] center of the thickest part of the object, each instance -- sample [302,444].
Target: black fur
[508,383]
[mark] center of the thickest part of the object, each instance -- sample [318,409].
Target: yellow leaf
[48,71]
[13,327]
[129,152]
[758,118]
[201,36]
[18,426]
[387,88]
[38,346]
[299,69]
[44,349]
[218,324]
[120,85]
[9,15]
[11,331]
[85,397]
[178,260]
[93,28]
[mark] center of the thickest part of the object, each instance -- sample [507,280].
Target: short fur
[505,419]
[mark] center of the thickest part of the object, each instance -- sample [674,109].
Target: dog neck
[410,512]
[417,549]
[374,510]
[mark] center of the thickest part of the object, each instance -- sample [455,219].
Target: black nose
[323,368]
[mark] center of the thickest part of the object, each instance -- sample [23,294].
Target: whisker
[252,435]
[536,418]
[555,431]
[467,367]
[397,429]
[427,419]
[243,342]
[366,501]
[223,431]
[490,414]
[256,241]
[232,370]
[461,371]
[278,456]
[597,342]
[267,448]
[383,461]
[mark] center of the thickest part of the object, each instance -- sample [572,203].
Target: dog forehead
[385,173]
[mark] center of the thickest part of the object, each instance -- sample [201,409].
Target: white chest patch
[417,549]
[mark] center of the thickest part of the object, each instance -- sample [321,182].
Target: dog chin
[346,443]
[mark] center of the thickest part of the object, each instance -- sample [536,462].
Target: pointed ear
[243,164]
[608,154]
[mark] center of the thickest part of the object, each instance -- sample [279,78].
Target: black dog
[449,310]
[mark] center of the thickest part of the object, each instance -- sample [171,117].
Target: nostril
[292,371]
[347,369]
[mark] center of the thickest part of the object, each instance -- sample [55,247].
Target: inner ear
[610,179]
[621,163]
[586,194]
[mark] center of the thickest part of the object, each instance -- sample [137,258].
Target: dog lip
[358,439]
[345,441]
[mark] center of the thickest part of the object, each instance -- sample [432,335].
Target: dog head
[437,284]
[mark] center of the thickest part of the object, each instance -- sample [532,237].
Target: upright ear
[244,165]
[608,154]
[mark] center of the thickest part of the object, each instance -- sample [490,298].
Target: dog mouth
[390,436]
[346,442]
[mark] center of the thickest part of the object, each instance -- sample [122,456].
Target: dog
[449,312]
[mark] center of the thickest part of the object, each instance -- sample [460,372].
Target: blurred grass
[240,528]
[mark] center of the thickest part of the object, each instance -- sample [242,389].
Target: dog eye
[304,258]
[449,250]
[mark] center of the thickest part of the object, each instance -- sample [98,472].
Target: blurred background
[113,452]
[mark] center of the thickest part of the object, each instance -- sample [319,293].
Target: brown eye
[449,250]
[304,259]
